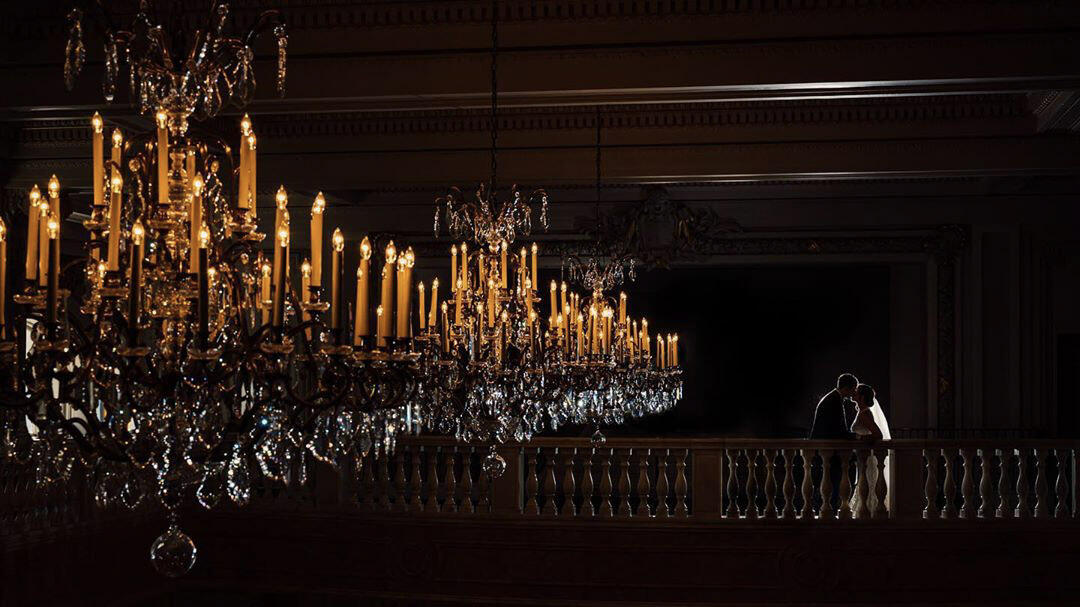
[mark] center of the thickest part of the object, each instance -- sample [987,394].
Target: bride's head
[864,396]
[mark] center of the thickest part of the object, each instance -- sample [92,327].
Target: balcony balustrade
[649,479]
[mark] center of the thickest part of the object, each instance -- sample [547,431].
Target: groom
[830,416]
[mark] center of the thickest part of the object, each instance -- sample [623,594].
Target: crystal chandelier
[609,377]
[195,77]
[176,357]
[515,377]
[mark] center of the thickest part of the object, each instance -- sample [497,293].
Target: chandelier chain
[494,92]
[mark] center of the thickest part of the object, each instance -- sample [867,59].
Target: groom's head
[846,383]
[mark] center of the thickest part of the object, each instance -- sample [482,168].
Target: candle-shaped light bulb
[117,138]
[97,123]
[117,183]
[337,276]
[204,237]
[54,228]
[410,258]
[54,186]
[137,232]
[365,248]
[161,117]
[197,185]
[391,253]
[283,236]
[245,125]
[421,316]
[305,269]
[281,198]
[535,276]
[35,195]
[318,207]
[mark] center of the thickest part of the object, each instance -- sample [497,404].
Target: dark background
[760,345]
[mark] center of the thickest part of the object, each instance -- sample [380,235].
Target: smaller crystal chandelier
[611,376]
[215,69]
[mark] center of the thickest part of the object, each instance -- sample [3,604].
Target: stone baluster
[399,481]
[569,487]
[1061,488]
[862,485]
[732,484]
[1004,509]
[807,484]
[1022,509]
[680,485]
[986,485]
[532,504]
[1041,509]
[967,485]
[549,484]
[432,481]
[415,482]
[588,507]
[644,488]
[624,485]
[450,488]
[751,483]
[465,504]
[949,486]
[789,484]
[368,470]
[826,511]
[770,483]
[384,482]
[930,489]
[881,487]
[605,484]
[662,506]
[844,512]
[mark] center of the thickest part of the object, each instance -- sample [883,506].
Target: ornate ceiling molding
[324,15]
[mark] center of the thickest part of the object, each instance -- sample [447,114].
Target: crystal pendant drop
[494,465]
[173,552]
[598,438]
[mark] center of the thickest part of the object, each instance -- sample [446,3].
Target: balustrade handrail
[752,442]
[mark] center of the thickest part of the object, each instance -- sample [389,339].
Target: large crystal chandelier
[175,357]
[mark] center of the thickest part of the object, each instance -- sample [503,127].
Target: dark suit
[830,418]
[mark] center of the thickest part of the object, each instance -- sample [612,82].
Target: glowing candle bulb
[162,157]
[453,267]
[317,209]
[280,276]
[135,284]
[204,270]
[264,295]
[535,276]
[98,158]
[421,316]
[43,243]
[196,220]
[337,266]
[433,315]
[32,233]
[363,280]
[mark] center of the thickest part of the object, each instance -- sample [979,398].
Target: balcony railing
[728,479]
[702,480]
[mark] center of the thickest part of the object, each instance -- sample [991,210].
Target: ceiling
[737,101]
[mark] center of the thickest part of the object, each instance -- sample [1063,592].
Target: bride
[870,425]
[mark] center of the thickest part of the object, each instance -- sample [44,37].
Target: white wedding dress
[863,425]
